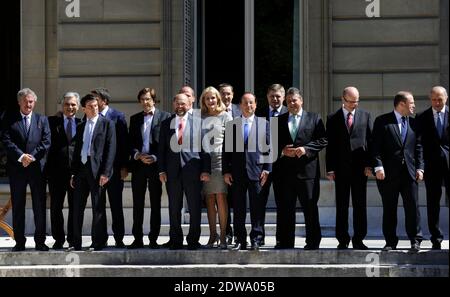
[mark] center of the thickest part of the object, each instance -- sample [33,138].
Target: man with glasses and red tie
[348,162]
[398,157]
[433,127]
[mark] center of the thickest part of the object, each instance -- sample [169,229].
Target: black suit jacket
[433,147]
[135,133]
[235,160]
[264,112]
[103,148]
[169,160]
[311,135]
[348,149]
[61,152]
[388,150]
[17,142]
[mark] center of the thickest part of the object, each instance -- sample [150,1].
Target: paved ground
[373,243]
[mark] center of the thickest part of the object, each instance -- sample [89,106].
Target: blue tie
[404,129]
[86,140]
[246,133]
[439,125]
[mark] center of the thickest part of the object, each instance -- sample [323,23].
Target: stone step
[228,270]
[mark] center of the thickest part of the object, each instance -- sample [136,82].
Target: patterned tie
[404,129]
[274,113]
[69,130]
[439,126]
[180,131]
[27,123]
[349,121]
[294,127]
[86,141]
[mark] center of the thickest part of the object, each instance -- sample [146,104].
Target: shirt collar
[26,115]
[300,113]
[441,111]
[249,119]
[346,112]
[105,110]
[278,110]
[94,119]
[398,116]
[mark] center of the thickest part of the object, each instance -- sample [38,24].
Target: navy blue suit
[36,143]
[436,158]
[115,186]
[245,166]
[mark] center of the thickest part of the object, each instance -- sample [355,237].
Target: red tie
[180,131]
[349,121]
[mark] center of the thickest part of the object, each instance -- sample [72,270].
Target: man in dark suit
[26,138]
[349,134]
[120,172]
[92,167]
[398,156]
[245,170]
[63,127]
[144,136]
[275,98]
[433,127]
[182,166]
[301,137]
[227,93]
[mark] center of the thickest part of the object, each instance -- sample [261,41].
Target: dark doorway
[10,54]
[224,50]
[273,45]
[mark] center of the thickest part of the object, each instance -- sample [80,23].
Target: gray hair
[25,92]
[70,95]
[294,91]
[441,89]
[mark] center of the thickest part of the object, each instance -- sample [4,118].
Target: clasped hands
[293,152]
[27,159]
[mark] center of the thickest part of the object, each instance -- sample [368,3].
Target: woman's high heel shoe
[212,240]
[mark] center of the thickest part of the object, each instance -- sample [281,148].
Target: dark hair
[145,91]
[294,91]
[103,93]
[247,93]
[85,99]
[401,97]
[225,85]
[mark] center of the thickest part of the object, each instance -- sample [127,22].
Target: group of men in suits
[93,156]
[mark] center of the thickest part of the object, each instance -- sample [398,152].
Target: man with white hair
[26,137]
[63,127]
[433,127]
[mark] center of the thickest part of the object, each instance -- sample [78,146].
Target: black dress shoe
[18,248]
[238,247]
[74,248]
[415,247]
[167,245]
[311,247]
[388,248]
[120,245]
[41,247]
[342,246]
[359,246]
[194,246]
[255,246]
[436,246]
[58,245]
[153,245]
[99,247]
[229,239]
[136,245]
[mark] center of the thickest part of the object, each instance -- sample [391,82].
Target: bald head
[181,104]
[189,92]
[350,98]
[438,98]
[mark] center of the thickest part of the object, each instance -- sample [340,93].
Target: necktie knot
[403,119]
[274,113]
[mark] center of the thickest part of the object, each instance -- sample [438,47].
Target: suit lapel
[395,129]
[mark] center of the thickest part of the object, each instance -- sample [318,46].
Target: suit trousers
[115,190]
[18,182]
[307,191]
[86,184]
[59,186]
[265,192]
[389,191]
[146,177]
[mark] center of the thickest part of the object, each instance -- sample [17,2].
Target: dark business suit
[58,174]
[275,176]
[86,179]
[245,166]
[36,142]
[436,158]
[301,178]
[347,155]
[144,176]
[400,162]
[183,178]
[115,185]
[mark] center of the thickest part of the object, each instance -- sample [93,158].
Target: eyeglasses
[350,101]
